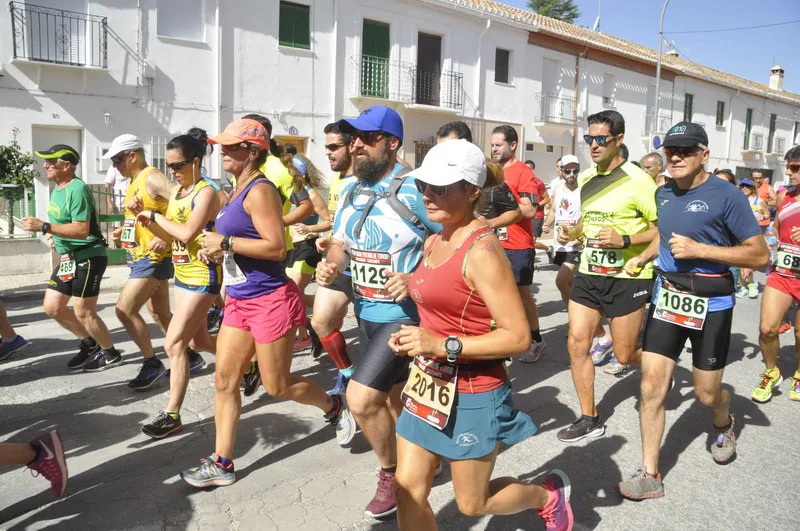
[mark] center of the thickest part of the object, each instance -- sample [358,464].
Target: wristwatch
[225,244]
[45,227]
[452,345]
[626,241]
[153,215]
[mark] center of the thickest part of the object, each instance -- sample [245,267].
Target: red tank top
[788,216]
[449,307]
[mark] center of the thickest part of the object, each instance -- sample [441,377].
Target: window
[549,149]
[720,113]
[608,89]
[180,19]
[688,103]
[501,61]
[295,26]
[158,153]
[748,126]
[529,146]
[796,135]
[773,123]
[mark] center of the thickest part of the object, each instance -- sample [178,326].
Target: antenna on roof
[596,27]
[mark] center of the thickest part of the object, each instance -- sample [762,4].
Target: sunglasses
[794,168]
[682,152]
[116,159]
[175,166]
[570,172]
[601,140]
[237,147]
[334,147]
[369,137]
[436,190]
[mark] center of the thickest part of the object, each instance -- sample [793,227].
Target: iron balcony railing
[57,36]
[557,109]
[377,77]
[656,125]
[753,142]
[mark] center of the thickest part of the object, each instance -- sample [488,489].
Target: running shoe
[105,359]
[316,344]
[642,486]
[209,474]
[785,327]
[794,390]
[152,369]
[301,344]
[383,503]
[724,447]
[752,290]
[557,513]
[535,352]
[51,462]
[614,367]
[162,426]
[251,380]
[213,319]
[342,420]
[84,355]
[341,385]
[196,361]
[551,252]
[770,380]
[7,349]
[743,293]
[582,427]
[601,349]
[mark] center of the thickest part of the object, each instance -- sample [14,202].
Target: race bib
[603,260]
[370,270]
[502,234]
[67,267]
[232,274]
[681,308]
[180,254]
[430,391]
[129,234]
[787,260]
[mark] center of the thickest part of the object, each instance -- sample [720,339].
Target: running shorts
[144,268]
[567,257]
[267,317]
[213,289]
[536,227]
[86,284]
[522,265]
[379,367]
[789,286]
[344,283]
[615,297]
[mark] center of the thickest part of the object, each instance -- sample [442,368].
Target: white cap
[123,143]
[452,161]
[569,159]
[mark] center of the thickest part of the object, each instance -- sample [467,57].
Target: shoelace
[765,381]
[385,483]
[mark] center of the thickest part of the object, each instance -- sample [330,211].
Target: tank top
[263,276]
[568,213]
[449,307]
[788,216]
[189,269]
[138,249]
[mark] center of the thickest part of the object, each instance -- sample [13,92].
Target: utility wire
[733,29]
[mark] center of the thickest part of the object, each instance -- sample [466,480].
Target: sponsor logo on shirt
[697,206]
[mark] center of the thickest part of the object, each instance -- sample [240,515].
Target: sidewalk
[17,288]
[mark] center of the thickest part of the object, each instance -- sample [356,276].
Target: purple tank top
[263,276]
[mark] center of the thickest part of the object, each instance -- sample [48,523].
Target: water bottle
[772,242]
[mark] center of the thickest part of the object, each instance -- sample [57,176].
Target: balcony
[753,143]
[555,111]
[54,36]
[377,80]
[776,146]
[656,125]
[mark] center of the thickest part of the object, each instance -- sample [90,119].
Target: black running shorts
[379,367]
[86,284]
[615,297]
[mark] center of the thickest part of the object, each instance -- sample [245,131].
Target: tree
[16,169]
[564,10]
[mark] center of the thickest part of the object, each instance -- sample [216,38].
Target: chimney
[673,53]
[776,78]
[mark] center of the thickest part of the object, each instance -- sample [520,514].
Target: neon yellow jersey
[189,269]
[623,199]
[137,249]
[335,190]
[274,170]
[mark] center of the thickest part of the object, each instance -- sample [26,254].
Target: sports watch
[452,345]
[225,244]
[626,241]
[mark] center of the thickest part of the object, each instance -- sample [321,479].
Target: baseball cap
[61,151]
[569,159]
[244,130]
[450,162]
[375,118]
[123,143]
[746,182]
[686,134]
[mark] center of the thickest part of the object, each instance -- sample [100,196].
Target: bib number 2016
[423,387]
[430,391]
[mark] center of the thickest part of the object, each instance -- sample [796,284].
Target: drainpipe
[583,54]
[218,93]
[730,124]
[334,60]
[479,78]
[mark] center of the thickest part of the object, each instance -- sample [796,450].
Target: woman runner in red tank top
[457,402]
[783,285]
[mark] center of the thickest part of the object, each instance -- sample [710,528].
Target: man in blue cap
[379,231]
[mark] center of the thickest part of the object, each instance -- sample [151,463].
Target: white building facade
[81,72]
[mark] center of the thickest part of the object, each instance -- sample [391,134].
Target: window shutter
[295,26]
[180,19]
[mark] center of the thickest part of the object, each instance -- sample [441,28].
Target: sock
[595,418]
[89,342]
[253,368]
[38,450]
[391,469]
[173,415]
[224,461]
[348,372]
[336,347]
[337,407]
[11,339]
[536,335]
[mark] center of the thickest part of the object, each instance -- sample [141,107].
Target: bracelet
[45,227]
[230,243]
[626,241]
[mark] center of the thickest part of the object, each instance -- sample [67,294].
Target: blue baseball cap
[375,118]
[746,182]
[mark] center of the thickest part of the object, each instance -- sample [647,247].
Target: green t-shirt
[623,199]
[72,203]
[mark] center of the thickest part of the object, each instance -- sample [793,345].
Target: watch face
[452,345]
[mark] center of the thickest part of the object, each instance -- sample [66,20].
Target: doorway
[375,48]
[429,69]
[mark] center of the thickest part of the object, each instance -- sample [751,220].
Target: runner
[517,239]
[543,205]
[263,306]
[72,222]
[783,286]
[617,211]
[331,302]
[44,455]
[464,283]
[765,191]
[704,226]
[192,208]
[653,165]
[12,342]
[748,284]
[379,229]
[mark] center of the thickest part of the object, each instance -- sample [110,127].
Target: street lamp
[658,65]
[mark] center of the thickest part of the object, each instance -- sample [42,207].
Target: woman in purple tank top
[263,308]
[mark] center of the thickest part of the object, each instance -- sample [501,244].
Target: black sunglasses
[369,137]
[175,166]
[237,147]
[334,147]
[439,190]
[681,151]
[570,172]
[794,168]
[116,159]
[602,140]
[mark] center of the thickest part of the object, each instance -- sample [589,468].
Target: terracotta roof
[621,47]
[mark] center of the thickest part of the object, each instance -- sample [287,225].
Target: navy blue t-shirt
[714,213]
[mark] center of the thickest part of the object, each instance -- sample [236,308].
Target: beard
[342,164]
[373,168]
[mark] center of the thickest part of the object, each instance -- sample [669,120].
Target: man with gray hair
[653,165]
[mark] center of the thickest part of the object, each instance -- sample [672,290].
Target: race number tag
[787,260]
[129,234]
[180,254]
[370,270]
[603,260]
[430,391]
[681,308]
[67,267]
[232,274]
[502,234]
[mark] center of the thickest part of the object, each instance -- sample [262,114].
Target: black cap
[686,134]
[61,151]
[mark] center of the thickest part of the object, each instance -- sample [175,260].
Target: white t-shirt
[119,184]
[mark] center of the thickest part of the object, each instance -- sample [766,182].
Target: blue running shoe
[196,361]
[7,349]
[152,369]
[341,385]
[209,474]
[600,351]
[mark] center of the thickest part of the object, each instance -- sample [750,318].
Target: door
[299,142]
[375,49]
[429,69]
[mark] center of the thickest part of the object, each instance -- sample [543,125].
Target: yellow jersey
[274,170]
[189,269]
[135,237]
[335,188]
